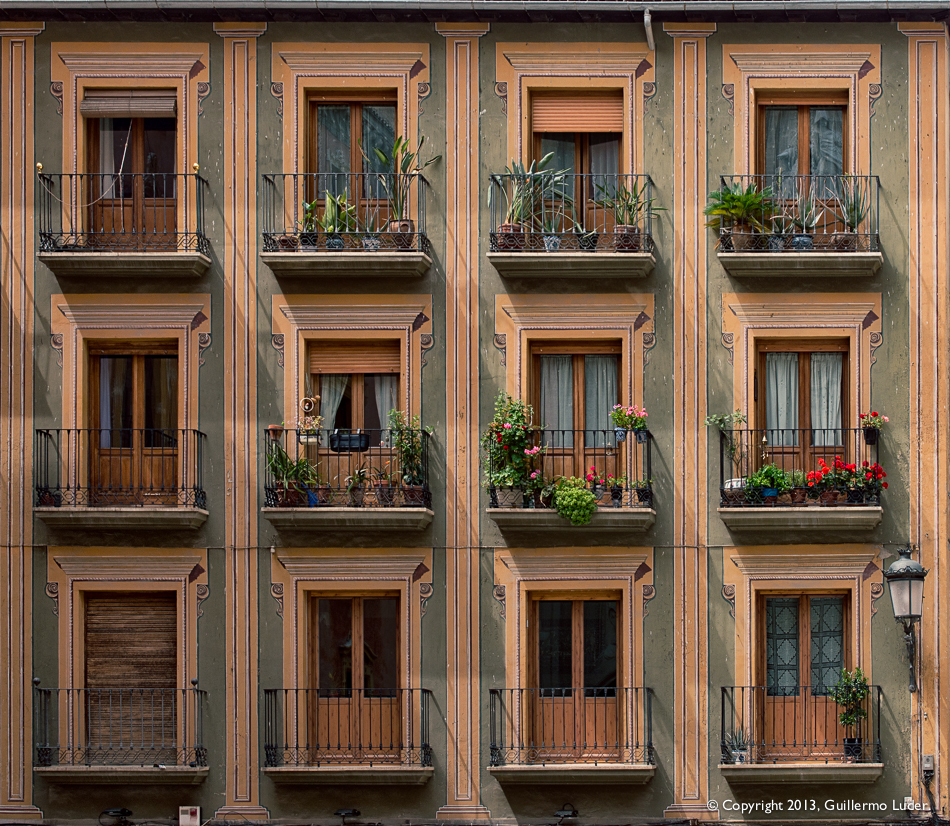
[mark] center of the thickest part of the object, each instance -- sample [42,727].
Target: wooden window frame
[136,150]
[581,149]
[355,99]
[804,100]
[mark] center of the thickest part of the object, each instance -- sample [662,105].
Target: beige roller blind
[129,103]
[577,111]
[360,356]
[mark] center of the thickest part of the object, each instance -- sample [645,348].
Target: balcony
[823,226]
[141,225]
[834,508]
[349,480]
[549,225]
[119,478]
[792,734]
[368,736]
[526,513]
[572,735]
[345,225]
[119,735]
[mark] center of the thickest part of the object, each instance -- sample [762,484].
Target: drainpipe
[648,27]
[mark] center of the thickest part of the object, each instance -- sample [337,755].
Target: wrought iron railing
[618,472]
[336,211]
[353,727]
[774,724]
[118,726]
[799,467]
[129,467]
[346,468]
[571,725]
[563,212]
[122,212]
[802,213]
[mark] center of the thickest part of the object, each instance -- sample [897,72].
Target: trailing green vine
[574,501]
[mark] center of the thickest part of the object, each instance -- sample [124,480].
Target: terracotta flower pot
[510,237]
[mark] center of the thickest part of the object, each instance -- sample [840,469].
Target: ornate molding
[729,93]
[374,567]
[202,592]
[204,342]
[784,64]
[501,91]
[56,90]
[277,592]
[56,342]
[277,90]
[649,91]
[794,566]
[649,592]
[501,343]
[277,342]
[117,567]
[423,90]
[203,89]
[426,343]
[498,592]
[425,592]
[52,591]
[729,595]
[877,591]
[125,64]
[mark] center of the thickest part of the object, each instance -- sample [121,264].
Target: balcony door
[354,713]
[134,456]
[573,712]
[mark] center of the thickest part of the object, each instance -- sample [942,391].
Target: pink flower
[507,426]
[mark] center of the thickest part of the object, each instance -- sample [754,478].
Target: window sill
[131,775]
[558,773]
[573,264]
[138,265]
[348,264]
[380,775]
[777,265]
[605,520]
[817,773]
[817,522]
[361,519]
[122,518]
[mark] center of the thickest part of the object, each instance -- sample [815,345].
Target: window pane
[604,162]
[826,398]
[781,144]
[562,145]
[781,646]
[115,401]
[380,645]
[379,397]
[379,132]
[159,157]
[826,144]
[161,393]
[600,395]
[115,156]
[827,642]
[336,405]
[557,399]
[781,398]
[554,644]
[335,644]
[333,144]
[600,644]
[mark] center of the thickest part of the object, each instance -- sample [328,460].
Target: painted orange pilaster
[16,414]
[461,449]
[240,415]
[689,404]
[927,239]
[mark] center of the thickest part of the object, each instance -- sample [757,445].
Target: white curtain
[826,398]
[600,395]
[781,145]
[557,399]
[386,386]
[781,398]
[332,388]
[825,139]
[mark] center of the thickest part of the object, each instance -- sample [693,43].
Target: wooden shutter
[362,356]
[129,103]
[577,111]
[130,640]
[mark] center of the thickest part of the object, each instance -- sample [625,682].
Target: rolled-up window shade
[129,103]
[354,356]
[575,111]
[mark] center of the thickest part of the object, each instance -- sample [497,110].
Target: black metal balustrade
[563,212]
[122,212]
[129,467]
[622,470]
[353,727]
[797,724]
[338,211]
[798,455]
[571,725]
[346,468]
[803,213]
[118,726]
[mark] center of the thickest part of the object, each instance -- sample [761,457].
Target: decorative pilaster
[461,449]
[240,416]
[690,766]
[928,113]
[16,414]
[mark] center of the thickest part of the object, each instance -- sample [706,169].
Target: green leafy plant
[574,501]
[401,164]
[507,441]
[530,186]
[852,200]
[808,212]
[734,204]
[628,204]
[630,417]
[407,441]
[850,692]
[794,479]
[338,216]
[768,476]
[729,426]
[291,474]
[357,478]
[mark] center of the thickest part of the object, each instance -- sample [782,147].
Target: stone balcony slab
[361,519]
[348,263]
[123,775]
[139,265]
[816,773]
[378,775]
[568,773]
[167,518]
[781,265]
[543,520]
[840,520]
[573,264]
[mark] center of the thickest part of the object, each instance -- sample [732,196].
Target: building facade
[223,310]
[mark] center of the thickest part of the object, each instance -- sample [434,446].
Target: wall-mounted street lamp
[905,582]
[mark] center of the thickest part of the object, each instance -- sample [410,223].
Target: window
[802,135]
[801,385]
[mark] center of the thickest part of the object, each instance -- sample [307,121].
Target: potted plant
[852,204]
[308,235]
[408,443]
[401,165]
[766,483]
[825,482]
[630,206]
[617,485]
[874,483]
[291,477]
[644,488]
[730,436]
[369,234]
[354,486]
[551,223]
[574,501]
[307,428]
[629,417]
[586,239]
[506,441]
[807,215]
[382,481]
[598,485]
[738,746]
[871,424]
[338,217]
[795,484]
[534,488]
[737,212]
[850,692]
[524,198]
